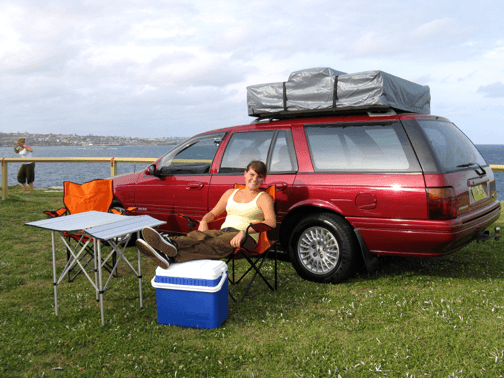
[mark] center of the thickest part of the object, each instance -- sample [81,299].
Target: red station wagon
[350,186]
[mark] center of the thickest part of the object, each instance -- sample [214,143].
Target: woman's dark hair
[257,166]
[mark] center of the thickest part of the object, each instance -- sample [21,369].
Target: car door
[180,183]
[274,147]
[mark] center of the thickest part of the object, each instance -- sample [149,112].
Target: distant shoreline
[69,140]
[97,145]
[94,145]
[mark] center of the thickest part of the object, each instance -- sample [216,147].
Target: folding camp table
[96,227]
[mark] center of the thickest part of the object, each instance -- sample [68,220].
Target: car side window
[194,156]
[360,148]
[451,147]
[282,158]
[245,147]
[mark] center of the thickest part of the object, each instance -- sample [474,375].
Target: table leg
[55,279]
[140,273]
[100,282]
[95,258]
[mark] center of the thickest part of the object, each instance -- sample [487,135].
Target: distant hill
[9,139]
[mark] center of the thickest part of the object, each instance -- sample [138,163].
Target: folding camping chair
[258,255]
[94,195]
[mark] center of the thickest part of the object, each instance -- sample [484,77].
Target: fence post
[113,167]
[4,179]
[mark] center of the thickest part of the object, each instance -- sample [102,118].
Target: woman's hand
[203,226]
[237,240]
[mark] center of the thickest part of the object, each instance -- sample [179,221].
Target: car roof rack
[370,110]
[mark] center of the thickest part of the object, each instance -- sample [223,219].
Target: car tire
[323,248]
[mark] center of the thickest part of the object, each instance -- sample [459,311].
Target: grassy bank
[413,317]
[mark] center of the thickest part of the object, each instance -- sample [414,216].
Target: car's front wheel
[323,248]
[130,238]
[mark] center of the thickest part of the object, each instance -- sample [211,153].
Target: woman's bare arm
[265,203]
[216,211]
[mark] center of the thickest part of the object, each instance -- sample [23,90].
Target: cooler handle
[205,289]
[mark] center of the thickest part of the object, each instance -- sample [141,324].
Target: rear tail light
[442,204]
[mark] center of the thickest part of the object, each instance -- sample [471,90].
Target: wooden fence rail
[111,160]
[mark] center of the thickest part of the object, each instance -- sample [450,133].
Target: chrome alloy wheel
[318,250]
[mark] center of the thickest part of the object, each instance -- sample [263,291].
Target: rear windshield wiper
[483,172]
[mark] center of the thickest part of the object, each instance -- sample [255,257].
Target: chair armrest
[257,227]
[192,222]
[260,227]
[56,213]
[124,212]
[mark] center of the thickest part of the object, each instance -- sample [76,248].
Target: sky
[155,68]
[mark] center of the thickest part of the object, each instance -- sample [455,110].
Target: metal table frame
[98,227]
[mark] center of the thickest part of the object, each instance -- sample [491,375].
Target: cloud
[409,39]
[169,66]
[494,90]
[374,44]
[440,28]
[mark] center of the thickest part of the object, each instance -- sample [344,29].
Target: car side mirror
[151,170]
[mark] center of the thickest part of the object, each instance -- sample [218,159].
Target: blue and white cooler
[192,294]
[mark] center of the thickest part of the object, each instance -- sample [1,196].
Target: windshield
[199,149]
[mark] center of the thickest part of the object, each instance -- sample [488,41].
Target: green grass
[412,318]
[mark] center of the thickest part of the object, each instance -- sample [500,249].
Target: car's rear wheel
[323,248]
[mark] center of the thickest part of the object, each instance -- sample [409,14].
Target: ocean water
[53,174]
[494,154]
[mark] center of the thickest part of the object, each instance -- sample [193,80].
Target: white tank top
[240,215]
[24,153]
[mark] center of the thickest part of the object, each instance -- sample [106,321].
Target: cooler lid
[197,269]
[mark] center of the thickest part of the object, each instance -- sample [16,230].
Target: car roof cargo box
[325,90]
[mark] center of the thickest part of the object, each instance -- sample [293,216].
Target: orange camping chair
[94,195]
[258,255]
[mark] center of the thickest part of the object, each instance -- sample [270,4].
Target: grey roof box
[313,90]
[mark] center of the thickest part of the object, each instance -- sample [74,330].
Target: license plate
[478,192]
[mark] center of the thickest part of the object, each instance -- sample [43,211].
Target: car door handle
[195,185]
[280,185]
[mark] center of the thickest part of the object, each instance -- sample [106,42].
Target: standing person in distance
[26,173]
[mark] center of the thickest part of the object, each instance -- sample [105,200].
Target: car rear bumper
[408,237]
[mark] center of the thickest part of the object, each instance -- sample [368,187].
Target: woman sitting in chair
[243,207]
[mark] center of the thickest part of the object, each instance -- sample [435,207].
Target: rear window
[361,148]
[452,149]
